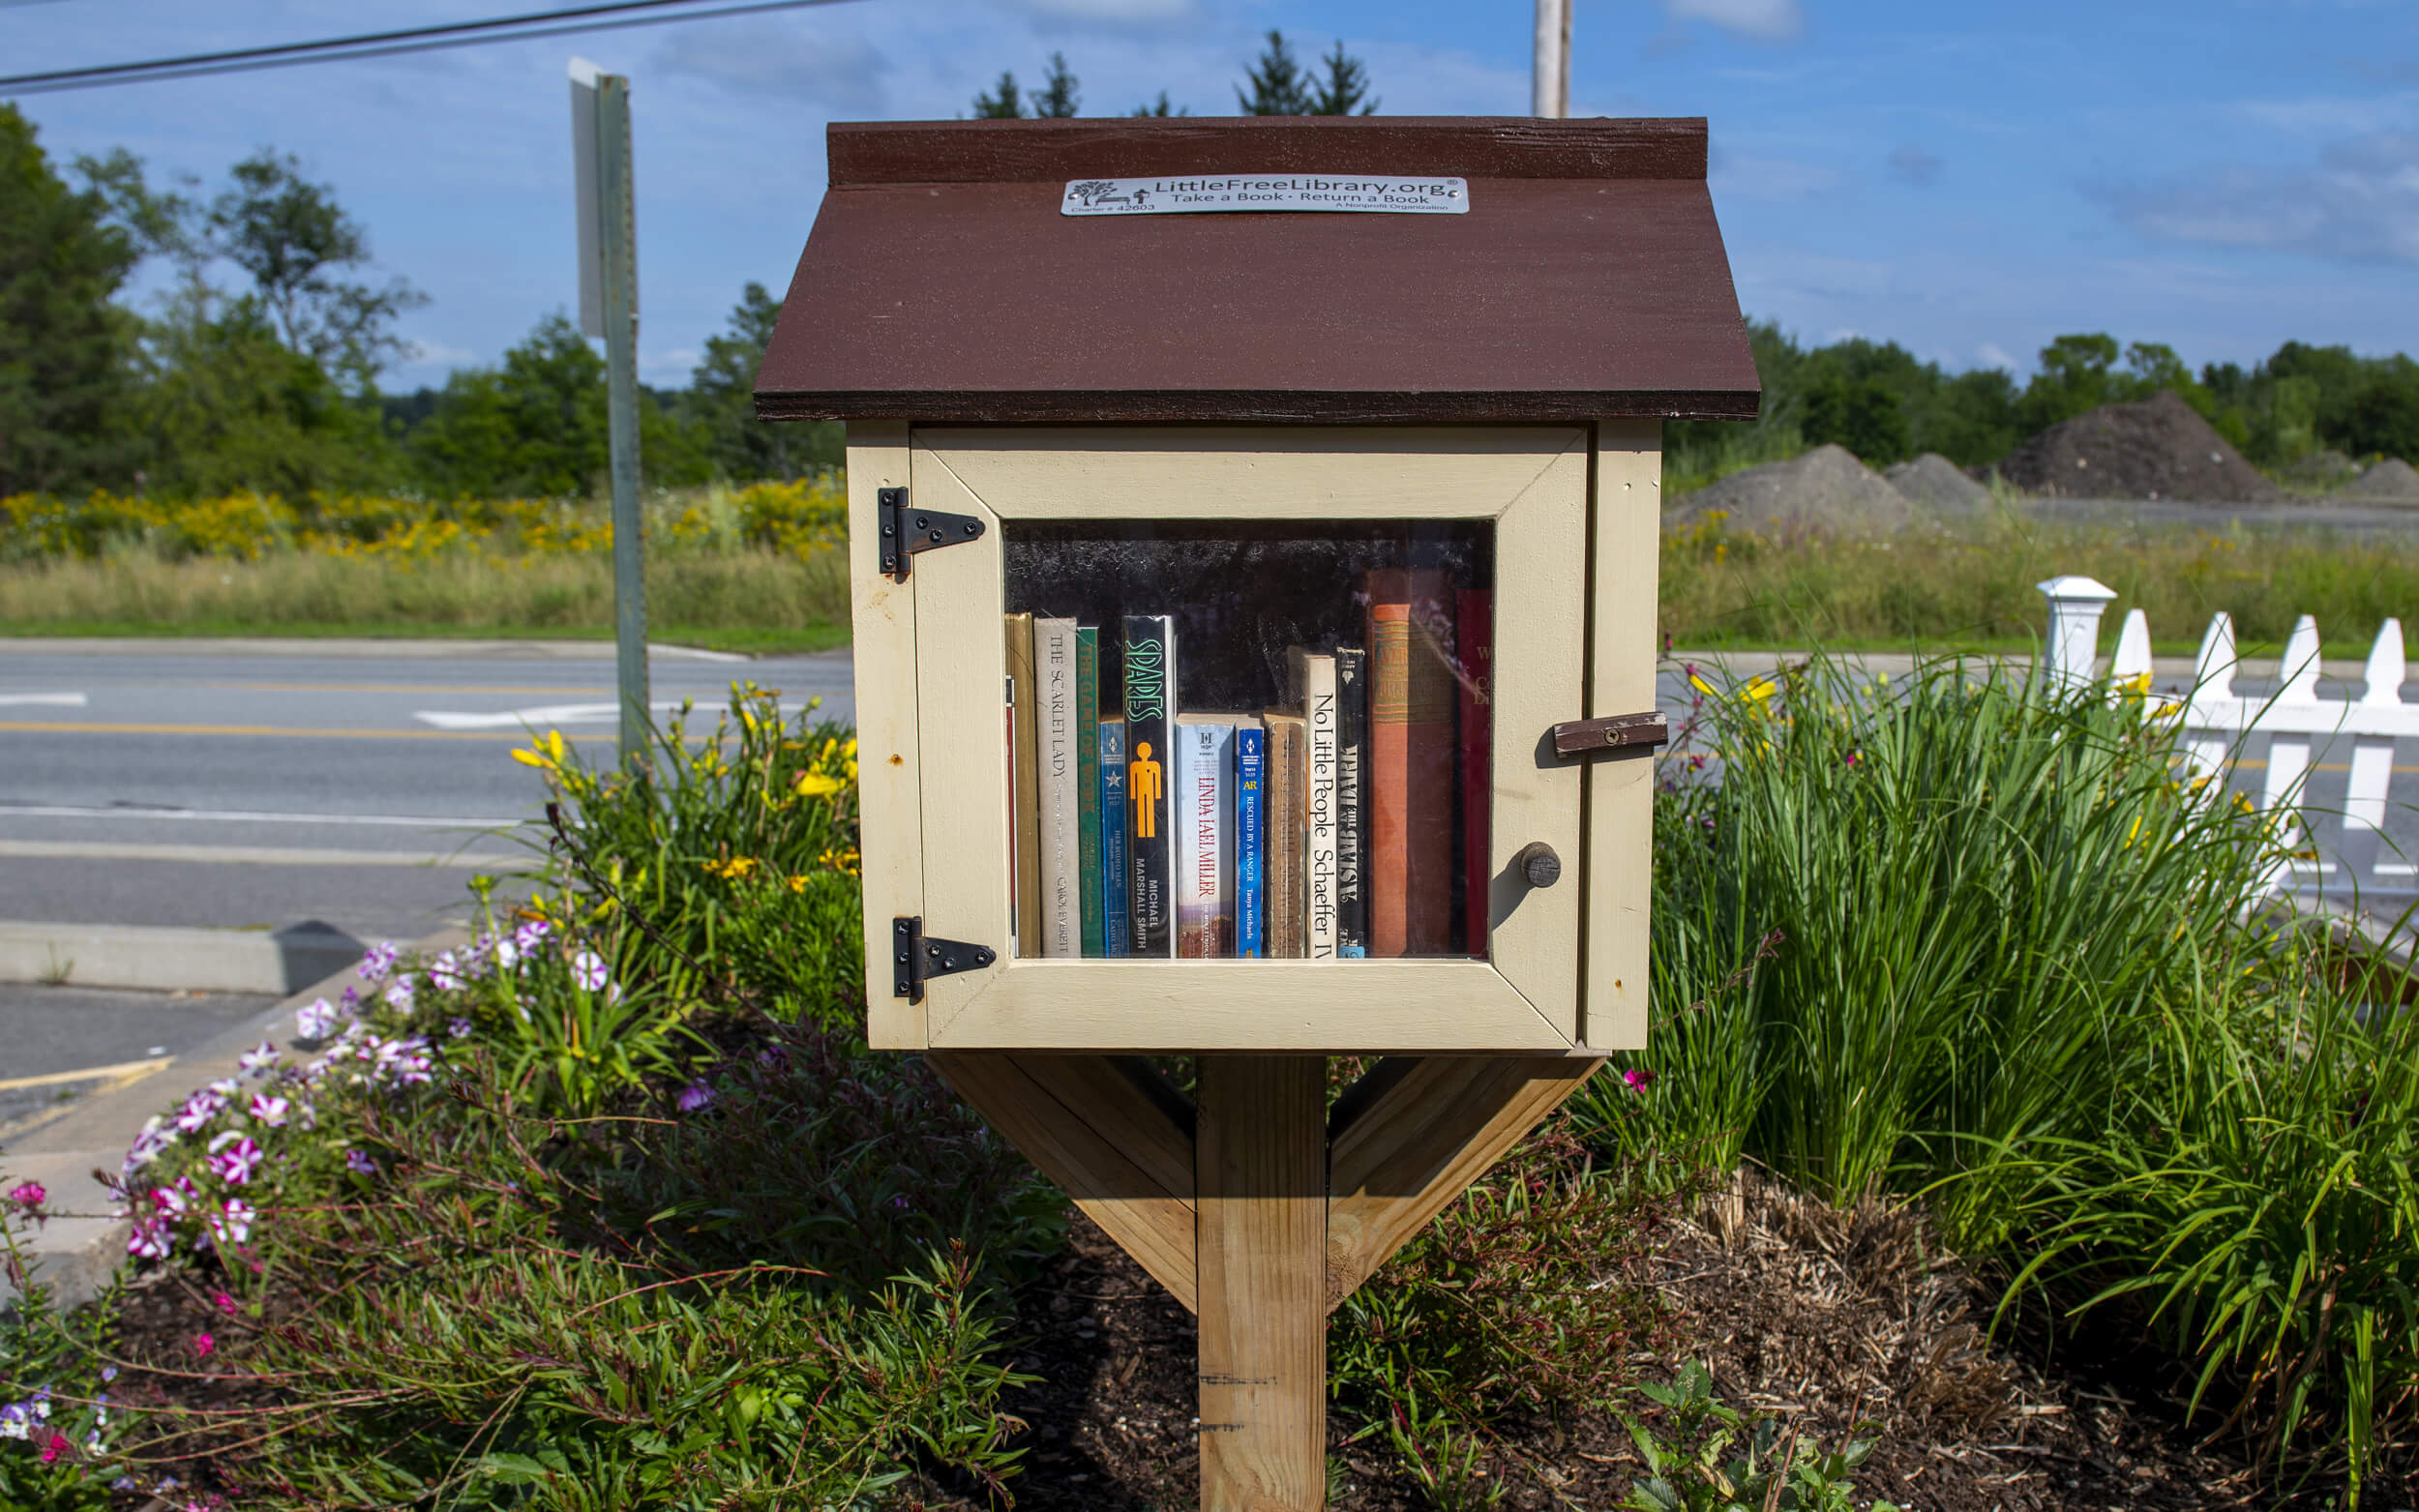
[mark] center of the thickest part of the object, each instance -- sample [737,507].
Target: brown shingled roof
[942,284]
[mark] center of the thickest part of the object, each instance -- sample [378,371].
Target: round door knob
[1539,863]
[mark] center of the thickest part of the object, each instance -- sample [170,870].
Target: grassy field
[761,568]
[1972,587]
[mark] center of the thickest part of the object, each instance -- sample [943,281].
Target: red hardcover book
[1411,763]
[1473,675]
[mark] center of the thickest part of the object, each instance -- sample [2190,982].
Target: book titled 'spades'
[1149,773]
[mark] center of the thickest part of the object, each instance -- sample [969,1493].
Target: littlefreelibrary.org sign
[1369,194]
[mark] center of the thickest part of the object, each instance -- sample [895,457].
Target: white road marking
[263,855]
[57,701]
[70,811]
[547,715]
[543,714]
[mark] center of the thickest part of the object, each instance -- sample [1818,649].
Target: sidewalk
[75,1254]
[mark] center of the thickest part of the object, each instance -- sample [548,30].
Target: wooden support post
[1261,1190]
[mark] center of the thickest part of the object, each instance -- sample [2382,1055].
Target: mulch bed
[1819,1316]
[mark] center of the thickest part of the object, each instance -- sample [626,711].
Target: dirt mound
[1933,479]
[2158,449]
[2393,480]
[1826,491]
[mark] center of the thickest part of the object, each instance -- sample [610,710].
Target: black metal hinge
[917,958]
[906,532]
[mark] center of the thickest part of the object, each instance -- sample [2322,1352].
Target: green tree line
[258,366]
[1880,401]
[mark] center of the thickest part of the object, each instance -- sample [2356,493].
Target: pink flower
[360,1164]
[199,1109]
[58,1446]
[203,1344]
[257,1059]
[526,938]
[238,1162]
[28,1194]
[152,1239]
[223,1302]
[1637,1081]
[175,1199]
[588,968]
[232,1224]
[314,1022]
[269,1111]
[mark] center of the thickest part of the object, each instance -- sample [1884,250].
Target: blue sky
[1969,179]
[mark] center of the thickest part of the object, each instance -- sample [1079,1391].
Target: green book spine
[1088,785]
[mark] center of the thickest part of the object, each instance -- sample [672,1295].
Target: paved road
[49,1033]
[167,784]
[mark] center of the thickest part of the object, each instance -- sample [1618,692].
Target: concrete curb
[361,646]
[164,959]
[77,1254]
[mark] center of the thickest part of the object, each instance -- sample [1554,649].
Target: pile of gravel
[1823,492]
[2392,480]
[2158,449]
[1934,481]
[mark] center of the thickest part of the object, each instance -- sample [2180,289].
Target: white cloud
[2358,203]
[435,354]
[796,61]
[2336,114]
[1129,11]
[1914,166]
[1772,179]
[1758,20]
[1991,354]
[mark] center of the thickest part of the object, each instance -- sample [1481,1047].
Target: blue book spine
[1251,785]
[1118,937]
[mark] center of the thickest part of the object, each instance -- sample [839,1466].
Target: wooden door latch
[1621,734]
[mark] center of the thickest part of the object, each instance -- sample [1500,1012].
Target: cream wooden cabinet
[1558,521]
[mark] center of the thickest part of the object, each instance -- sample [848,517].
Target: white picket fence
[2216,721]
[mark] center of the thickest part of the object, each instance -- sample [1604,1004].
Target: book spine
[1284,835]
[1314,683]
[1088,790]
[1474,654]
[1061,829]
[1410,765]
[1251,783]
[1118,935]
[1025,788]
[1352,802]
[1204,850]
[1150,691]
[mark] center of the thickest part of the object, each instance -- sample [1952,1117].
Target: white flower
[269,1111]
[232,1224]
[225,1087]
[588,968]
[314,1022]
[443,974]
[257,1059]
[398,994]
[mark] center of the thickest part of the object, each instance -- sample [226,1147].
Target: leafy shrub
[737,847]
[1516,1300]
[1716,1460]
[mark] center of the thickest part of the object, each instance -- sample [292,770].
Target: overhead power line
[383,44]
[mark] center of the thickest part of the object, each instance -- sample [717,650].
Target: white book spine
[1322,765]
[1204,859]
[1062,831]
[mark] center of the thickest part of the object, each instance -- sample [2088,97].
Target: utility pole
[1549,93]
[609,308]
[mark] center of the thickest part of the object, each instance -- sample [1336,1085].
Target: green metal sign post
[609,308]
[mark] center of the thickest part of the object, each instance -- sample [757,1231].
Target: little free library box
[1252,533]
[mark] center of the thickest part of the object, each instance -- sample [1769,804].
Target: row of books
[1349,819]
